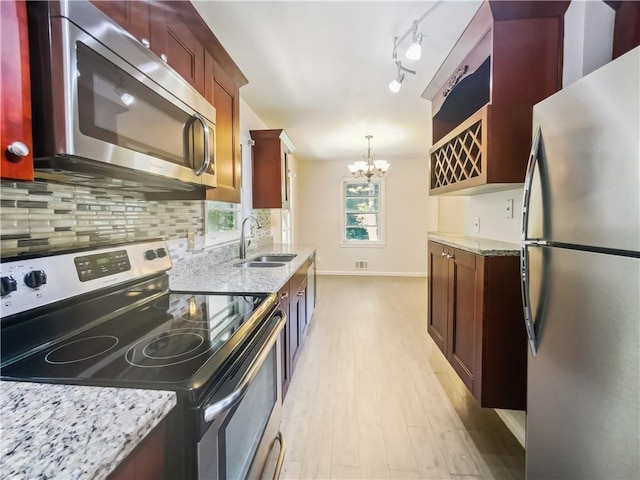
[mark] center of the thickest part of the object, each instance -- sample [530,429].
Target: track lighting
[414,52]
[396,83]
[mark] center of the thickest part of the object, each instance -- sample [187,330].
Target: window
[222,222]
[363,212]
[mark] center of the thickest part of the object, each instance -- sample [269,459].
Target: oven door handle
[213,410]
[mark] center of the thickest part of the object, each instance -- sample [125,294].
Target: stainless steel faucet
[243,247]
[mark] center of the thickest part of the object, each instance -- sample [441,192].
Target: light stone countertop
[73,432]
[480,246]
[202,274]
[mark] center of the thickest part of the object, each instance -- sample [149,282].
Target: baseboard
[514,424]
[373,274]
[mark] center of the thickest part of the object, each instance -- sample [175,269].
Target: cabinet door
[132,16]
[271,182]
[465,292]
[224,94]
[283,296]
[171,37]
[438,291]
[15,94]
[302,312]
[294,332]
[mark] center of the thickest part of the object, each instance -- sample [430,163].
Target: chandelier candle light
[368,167]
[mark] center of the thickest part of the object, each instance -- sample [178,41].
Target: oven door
[240,423]
[114,101]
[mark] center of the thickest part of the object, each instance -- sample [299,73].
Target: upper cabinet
[15,94]
[271,157]
[224,93]
[508,59]
[175,31]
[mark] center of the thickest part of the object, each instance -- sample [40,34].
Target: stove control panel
[90,267]
[28,283]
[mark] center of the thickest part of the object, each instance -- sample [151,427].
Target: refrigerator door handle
[526,196]
[526,300]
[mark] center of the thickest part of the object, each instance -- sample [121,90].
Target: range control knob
[161,252]
[150,254]
[35,278]
[8,285]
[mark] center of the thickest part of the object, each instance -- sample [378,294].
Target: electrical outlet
[509,208]
[476,224]
[191,241]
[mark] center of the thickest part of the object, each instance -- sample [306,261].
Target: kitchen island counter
[73,432]
[201,273]
[476,245]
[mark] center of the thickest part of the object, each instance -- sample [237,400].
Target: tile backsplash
[38,216]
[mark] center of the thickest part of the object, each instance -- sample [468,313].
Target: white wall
[248,121]
[409,215]
[588,38]
[491,209]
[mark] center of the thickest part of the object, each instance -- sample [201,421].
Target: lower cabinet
[475,318]
[147,461]
[293,300]
[283,297]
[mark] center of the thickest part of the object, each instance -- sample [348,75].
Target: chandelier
[368,167]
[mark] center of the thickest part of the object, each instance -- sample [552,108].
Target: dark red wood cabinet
[175,31]
[224,94]
[15,93]
[271,156]
[475,318]
[147,461]
[508,59]
[293,300]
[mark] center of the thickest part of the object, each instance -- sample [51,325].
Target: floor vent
[361,265]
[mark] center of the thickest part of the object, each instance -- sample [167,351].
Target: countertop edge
[71,431]
[480,246]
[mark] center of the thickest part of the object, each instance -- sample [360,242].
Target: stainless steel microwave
[107,110]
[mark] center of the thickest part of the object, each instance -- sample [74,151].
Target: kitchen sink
[275,257]
[259,264]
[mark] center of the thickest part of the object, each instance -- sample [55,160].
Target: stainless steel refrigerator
[581,279]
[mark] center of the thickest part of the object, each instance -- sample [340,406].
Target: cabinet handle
[18,149]
[284,295]
[449,256]
[301,294]
[145,42]
[163,57]
[443,254]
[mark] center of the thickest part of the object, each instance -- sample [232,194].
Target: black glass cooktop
[172,341]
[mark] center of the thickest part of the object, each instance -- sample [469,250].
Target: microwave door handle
[186,142]
[207,155]
[196,117]
[213,410]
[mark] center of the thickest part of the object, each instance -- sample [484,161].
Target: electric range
[106,317]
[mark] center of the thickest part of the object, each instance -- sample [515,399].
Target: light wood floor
[372,397]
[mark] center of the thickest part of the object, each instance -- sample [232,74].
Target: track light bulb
[396,83]
[414,52]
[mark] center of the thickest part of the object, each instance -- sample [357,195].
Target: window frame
[215,239]
[381,242]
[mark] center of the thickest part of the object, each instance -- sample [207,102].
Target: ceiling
[321,69]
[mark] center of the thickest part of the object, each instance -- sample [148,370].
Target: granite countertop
[480,246]
[73,432]
[202,274]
